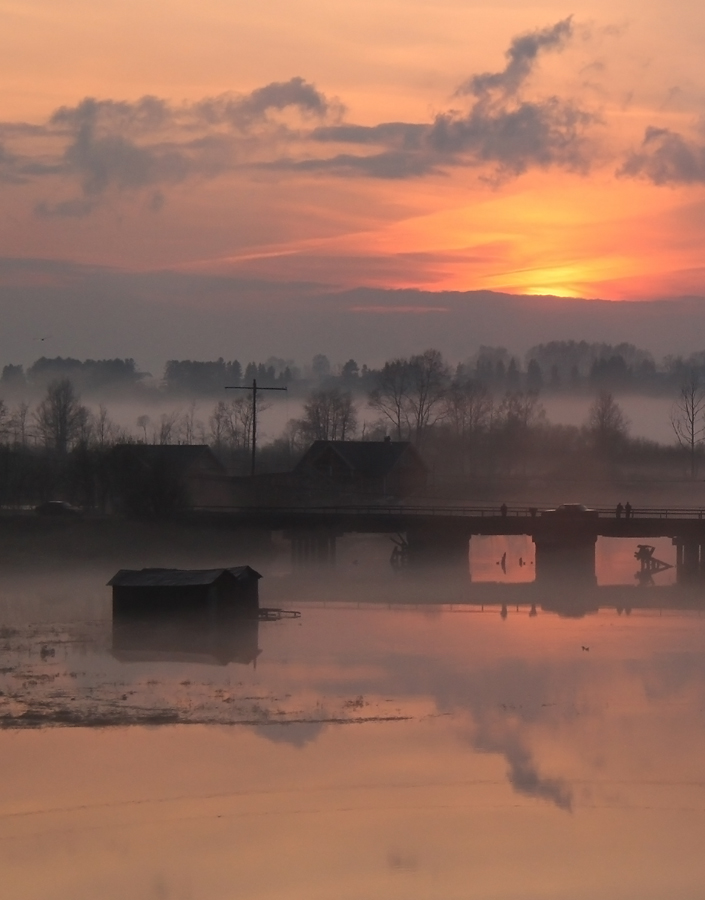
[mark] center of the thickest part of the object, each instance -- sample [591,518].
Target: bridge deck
[479,520]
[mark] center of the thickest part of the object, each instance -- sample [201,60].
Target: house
[372,467]
[166,591]
[157,479]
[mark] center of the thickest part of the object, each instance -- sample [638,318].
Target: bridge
[564,542]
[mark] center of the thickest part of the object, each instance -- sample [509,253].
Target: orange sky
[531,179]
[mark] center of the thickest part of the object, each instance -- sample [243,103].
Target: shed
[167,590]
[378,467]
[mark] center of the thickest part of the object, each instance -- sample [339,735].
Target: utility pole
[253,387]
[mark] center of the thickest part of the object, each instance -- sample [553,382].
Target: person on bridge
[627,510]
[619,510]
[503,510]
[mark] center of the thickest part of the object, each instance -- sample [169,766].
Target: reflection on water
[512,560]
[506,559]
[389,751]
[186,637]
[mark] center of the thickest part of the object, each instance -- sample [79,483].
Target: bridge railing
[487,511]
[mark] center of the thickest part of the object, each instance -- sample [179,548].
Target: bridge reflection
[572,602]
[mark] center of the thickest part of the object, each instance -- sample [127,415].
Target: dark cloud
[521,59]
[121,146]
[243,111]
[501,129]
[542,134]
[666,157]
[114,147]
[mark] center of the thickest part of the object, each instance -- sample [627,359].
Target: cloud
[521,59]
[74,209]
[102,148]
[120,146]
[666,157]
[501,129]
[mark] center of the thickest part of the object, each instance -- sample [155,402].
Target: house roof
[178,577]
[373,459]
[178,457]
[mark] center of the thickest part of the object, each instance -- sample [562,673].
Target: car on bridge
[58,508]
[571,512]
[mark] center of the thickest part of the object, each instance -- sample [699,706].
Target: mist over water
[401,718]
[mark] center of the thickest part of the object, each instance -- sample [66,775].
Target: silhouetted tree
[411,392]
[534,376]
[688,419]
[329,415]
[607,423]
[60,417]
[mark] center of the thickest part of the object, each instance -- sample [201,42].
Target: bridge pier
[311,548]
[565,557]
[690,560]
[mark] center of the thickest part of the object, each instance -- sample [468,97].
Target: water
[373,748]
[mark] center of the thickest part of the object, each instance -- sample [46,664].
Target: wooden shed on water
[177,590]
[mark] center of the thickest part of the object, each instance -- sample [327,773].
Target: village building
[163,478]
[387,468]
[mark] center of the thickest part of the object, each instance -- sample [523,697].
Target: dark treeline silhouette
[554,367]
[88,374]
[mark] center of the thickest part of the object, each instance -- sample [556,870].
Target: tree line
[553,367]
[468,431]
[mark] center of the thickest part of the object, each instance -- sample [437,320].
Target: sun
[552,290]
[569,280]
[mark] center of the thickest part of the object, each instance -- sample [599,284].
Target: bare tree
[411,393]
[19,425]
[168,427]
[688,419]
[103,429]
[390,396]
[60,417]
[142,422]
[329,415]
[5,422]
[189,424]
[607,422]
[468,407]
[429,384]
[230,424]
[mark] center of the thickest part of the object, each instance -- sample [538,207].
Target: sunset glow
[394,146]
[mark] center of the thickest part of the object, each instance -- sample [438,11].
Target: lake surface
[364,750]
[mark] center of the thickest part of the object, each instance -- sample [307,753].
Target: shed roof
[178,577]
[373,459]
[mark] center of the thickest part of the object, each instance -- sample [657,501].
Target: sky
[260,155]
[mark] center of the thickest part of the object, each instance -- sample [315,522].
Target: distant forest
[554,367]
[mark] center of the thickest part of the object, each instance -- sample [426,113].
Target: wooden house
[165,591]
[387,468]
[163,478]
